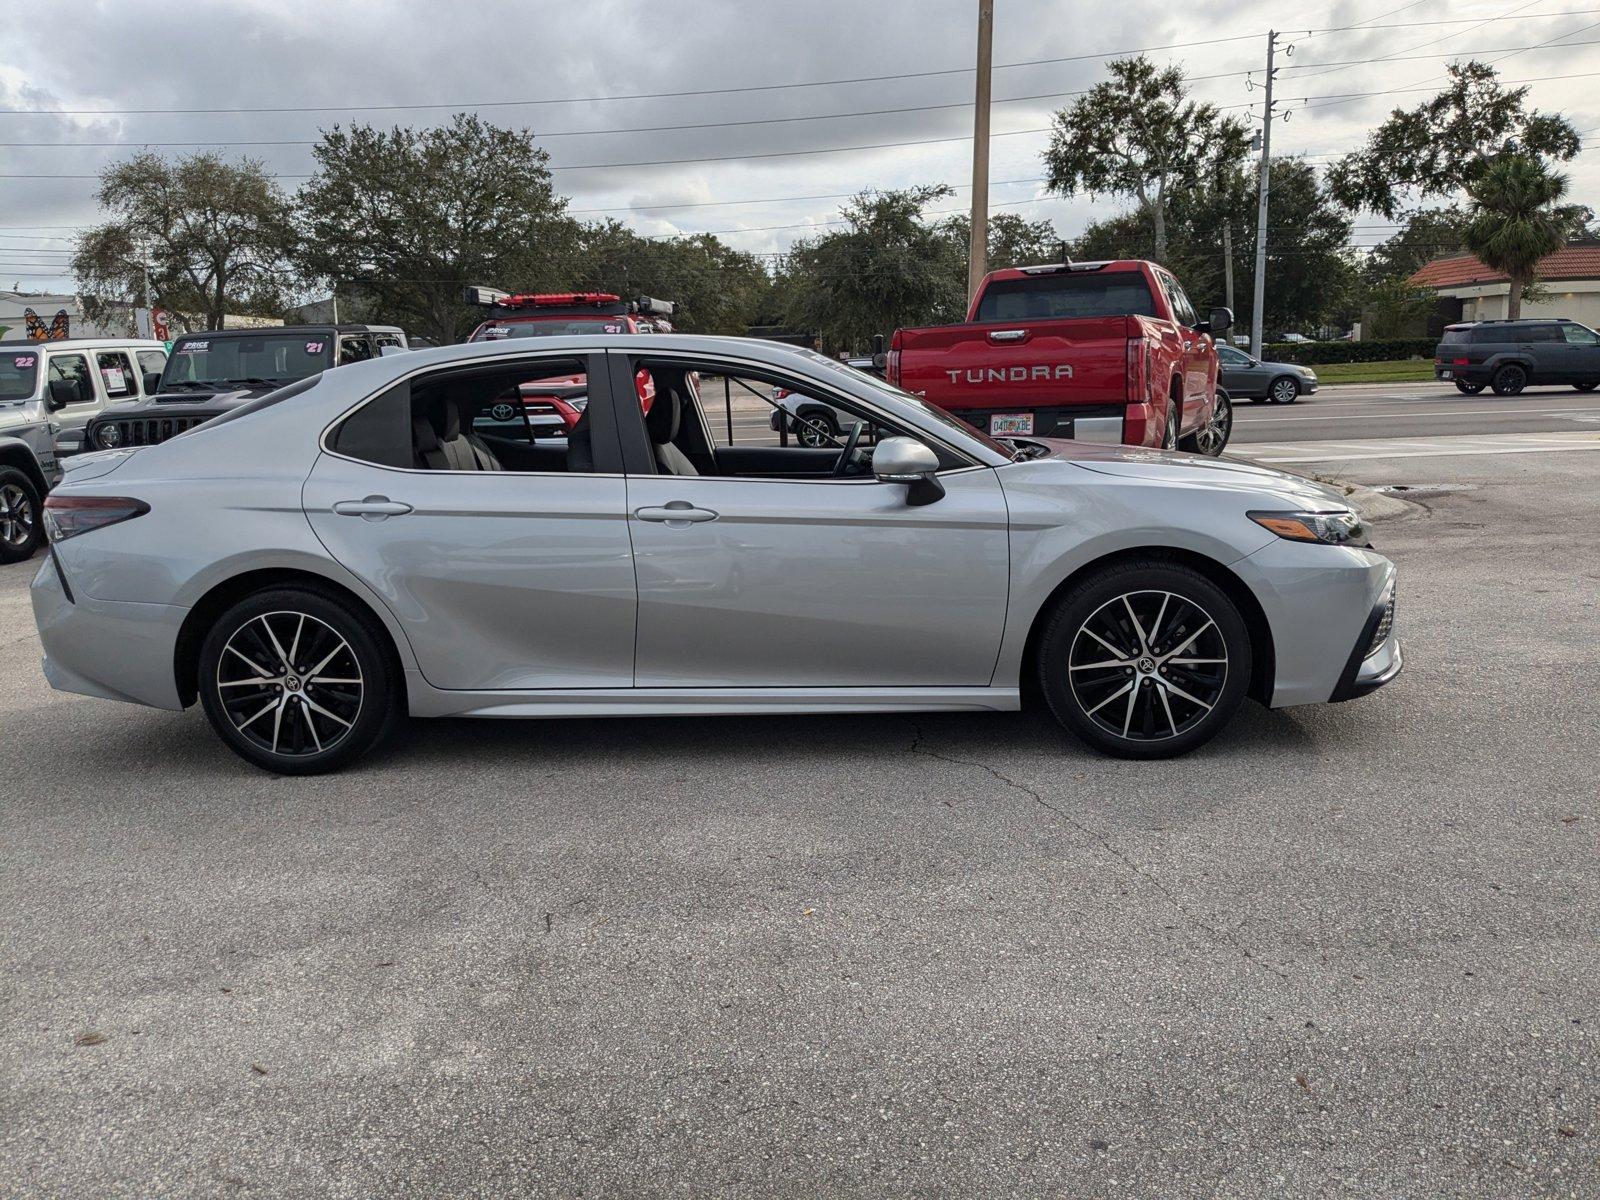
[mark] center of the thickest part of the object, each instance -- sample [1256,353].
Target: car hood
[1194,470]
[176,404]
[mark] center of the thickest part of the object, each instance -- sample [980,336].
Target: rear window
[1069,294]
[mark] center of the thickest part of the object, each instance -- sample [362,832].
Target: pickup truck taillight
[891,369]
[1138,370]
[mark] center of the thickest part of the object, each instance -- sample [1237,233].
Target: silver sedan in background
[371,544]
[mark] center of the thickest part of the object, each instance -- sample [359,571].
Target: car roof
[343,327]
[59,343]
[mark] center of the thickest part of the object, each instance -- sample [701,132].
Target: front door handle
[675,513]
[373,508]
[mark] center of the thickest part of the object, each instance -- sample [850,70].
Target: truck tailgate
[1039,364]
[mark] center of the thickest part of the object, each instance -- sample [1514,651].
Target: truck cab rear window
[1046,297]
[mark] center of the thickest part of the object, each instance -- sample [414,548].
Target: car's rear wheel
[1212,437]
[1471,389]
[815,429]
[1285,389]
[1169,436]
[296,681]
[1146,659]
[21,527]
[1509,380]
[1587,387]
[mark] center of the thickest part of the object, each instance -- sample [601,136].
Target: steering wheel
[847,455]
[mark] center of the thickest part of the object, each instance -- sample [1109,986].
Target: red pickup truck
[1106,351]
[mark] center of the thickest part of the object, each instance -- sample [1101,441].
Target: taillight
[68,516]
[891,369]
[1459,362]
[1138,370]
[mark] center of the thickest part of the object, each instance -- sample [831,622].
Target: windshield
[19,374]
[260,359]
[526,329]
[932,410]
[1065,295]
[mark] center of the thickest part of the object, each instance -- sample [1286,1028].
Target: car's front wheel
[1285,389]
[21,528]
[1470,389]
[1212,437]
[1145,659]
[296,681]
[1509,380]
[815,430]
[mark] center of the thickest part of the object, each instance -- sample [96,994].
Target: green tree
[888,267]
[716,289]
[1138,134]
[213,236]
[1437,149]
[411,216]
[1515,219]
[1013,241]
[1426,235]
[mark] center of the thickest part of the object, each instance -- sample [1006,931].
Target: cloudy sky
[783,87]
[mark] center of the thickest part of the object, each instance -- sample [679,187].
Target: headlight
[1333,528]
[108,437]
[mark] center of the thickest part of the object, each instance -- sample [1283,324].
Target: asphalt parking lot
[1340,950]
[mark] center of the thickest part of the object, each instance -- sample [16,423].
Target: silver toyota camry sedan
[397,538]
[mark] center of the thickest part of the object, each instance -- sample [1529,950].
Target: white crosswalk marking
[1510,443]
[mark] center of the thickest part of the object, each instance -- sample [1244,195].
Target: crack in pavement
[1105,843]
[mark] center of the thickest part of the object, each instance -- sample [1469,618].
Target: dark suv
[1509,355]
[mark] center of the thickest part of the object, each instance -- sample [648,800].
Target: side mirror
[1220,321]
[152,382]
[62,393]
[906,460]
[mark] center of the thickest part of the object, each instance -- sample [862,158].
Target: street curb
[1374,506]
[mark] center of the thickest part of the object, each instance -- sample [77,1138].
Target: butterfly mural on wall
[60,327]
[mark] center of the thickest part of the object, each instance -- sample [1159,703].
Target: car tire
[1169,436]
[1285,389]
[1164,660]
[1470,389]
[1587,387]
[21,518]
[329,690]
[1509,380]
[1211,439]
[818,426]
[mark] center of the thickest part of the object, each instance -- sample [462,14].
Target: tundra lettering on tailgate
[1011,374]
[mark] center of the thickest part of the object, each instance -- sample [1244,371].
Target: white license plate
[1446,375]
[1005,424]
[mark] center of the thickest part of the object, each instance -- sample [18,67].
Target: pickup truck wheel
[1470,389]
[21,521]
[1145,659]
[1509,380]
[815,430]
[1211,439]
[1169,439]
[1587,387]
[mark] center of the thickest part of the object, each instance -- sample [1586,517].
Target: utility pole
[978,250]
[1227,264]
[1258,299]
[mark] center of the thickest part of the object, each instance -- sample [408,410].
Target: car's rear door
[501,579]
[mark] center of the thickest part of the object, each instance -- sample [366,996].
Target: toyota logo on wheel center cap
[1146,666]
[292,683]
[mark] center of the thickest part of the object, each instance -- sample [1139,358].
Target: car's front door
[753,581]
[1580,354]
[509,568]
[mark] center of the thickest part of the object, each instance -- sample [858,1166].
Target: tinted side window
[1455,337]
[1489,335]
[380,430]
[1540,333]
[152,361]
[1578,335]
[75,368]
[116,372]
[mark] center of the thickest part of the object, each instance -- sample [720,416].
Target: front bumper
[111,649]
[1377,657]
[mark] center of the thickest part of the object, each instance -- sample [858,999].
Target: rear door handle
[373,508]
[675,512]
[1007,335]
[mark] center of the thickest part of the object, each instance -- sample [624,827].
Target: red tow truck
[554,405]
[1104,351]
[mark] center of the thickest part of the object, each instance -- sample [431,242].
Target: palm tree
[1515,219]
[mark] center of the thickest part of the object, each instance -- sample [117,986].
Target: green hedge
[1311,353]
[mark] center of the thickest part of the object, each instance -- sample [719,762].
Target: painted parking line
[1414,414]
[1305,452]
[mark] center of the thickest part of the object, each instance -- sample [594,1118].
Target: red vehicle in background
[553,406]
[1106,351]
